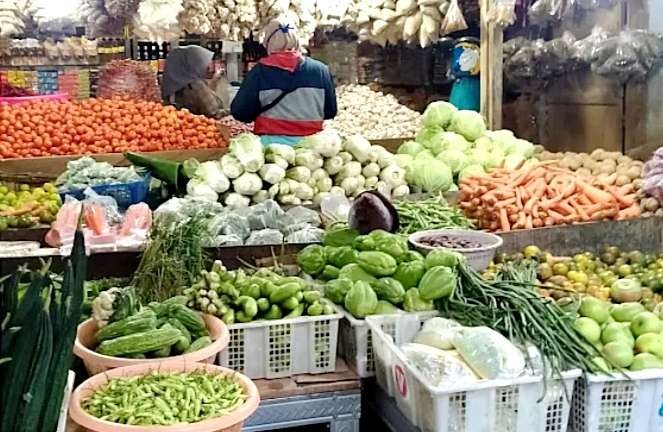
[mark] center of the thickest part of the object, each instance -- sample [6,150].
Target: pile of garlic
[98,20]
[198,16]
[414,21]
[301,14]
[374,115]
[13,15]
[156,20]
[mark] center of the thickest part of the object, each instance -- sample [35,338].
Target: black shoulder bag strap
[276,101]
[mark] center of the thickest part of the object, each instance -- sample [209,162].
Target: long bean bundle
[430,213]
[514,309]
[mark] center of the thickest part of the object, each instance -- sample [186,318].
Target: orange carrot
[504,220]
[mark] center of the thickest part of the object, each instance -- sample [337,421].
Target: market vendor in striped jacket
[286,94]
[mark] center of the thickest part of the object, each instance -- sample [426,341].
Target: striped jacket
[299,113]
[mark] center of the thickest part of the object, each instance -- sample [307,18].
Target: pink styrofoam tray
[55,97]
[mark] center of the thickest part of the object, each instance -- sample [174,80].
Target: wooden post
[491,69]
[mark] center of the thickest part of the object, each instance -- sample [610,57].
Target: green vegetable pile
[377,273]
[159,330]
[39,314]
[165,398]
[172,259]
[428,214]
[240,296]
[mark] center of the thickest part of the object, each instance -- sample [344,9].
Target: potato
[634,172]
[574,162]
[606,169]
[659,212]
[584,172]
[623,159]
[622,179]
[545,155]
[651,204]
[598,154]
[538,148]
[638,183]
[608,179]
[646,214]
[590,164]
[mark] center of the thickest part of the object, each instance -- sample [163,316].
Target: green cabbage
[520,147]
[513,161]
[502,136]
[469,124]
[403,160]
[426,154]
[484,144]
[410,148]
[471,171]
[430,175]
[454,141]
[438,114]
[456,160]
[428,136]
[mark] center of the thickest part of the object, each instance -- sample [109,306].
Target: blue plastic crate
[125,194]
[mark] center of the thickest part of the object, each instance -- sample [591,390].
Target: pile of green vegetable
[165,398]
[454,144]
[377,273]
[249,295]
[173,258]
[428,214]
[39,314]
[158,330]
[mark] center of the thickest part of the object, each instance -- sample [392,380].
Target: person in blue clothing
[287,95]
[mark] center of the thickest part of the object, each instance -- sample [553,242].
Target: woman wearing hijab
[288,96]
[185,85]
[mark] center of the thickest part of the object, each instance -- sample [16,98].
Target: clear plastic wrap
[264,215]
[439,367]
[454,20]
[557,56]
[304,215]
[438,333]
[488,353]
[128,78]
[65,224]
[230,224]
[585,49]
[111,211]
[628,56]
[502,13]
[545,11]
[306,235]
[226,240]
[265,237]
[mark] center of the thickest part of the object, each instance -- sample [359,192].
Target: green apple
[645,361]
[617,332]
[588,328]
[645,322]
[626,311]
[650,343]
[618,354]
[594,308]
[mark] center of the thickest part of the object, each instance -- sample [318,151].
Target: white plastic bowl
[479,258]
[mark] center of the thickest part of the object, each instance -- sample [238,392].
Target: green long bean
[431,213]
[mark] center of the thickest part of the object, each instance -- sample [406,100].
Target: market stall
[412,265]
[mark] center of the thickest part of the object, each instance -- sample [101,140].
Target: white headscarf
[280,36]
[184,65]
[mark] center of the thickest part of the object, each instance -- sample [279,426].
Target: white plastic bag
[438,366]
[438,332]
[502,13]
[454,20]
[488,353]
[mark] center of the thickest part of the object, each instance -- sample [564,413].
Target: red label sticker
[401,382]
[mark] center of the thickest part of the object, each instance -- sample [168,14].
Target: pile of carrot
[102,126]
[543,195]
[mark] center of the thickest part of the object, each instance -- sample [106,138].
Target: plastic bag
[628,56]
[545,11]
[226,240]
[128,78]
[265,237]
[440,368]
[488,353]
[137,220]
[454,20]
[502,13]
[65,224]
[438,333]
[231,224]
[306,235]
[267,214]
[585,49]
[304,215]
[652,173]
[557,56]
[107,204]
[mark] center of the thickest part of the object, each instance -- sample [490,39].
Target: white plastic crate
[603,403]
[489,405]
[282,348]
[64,408]
[355,342]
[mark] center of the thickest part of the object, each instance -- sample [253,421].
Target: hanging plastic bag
[585,49]
[454,20]
[546,11]
[502,13]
